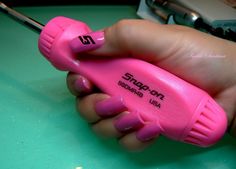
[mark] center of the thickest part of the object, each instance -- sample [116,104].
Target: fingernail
[110,107]
[128,122]
[148,132]
[82,85]
[87,42]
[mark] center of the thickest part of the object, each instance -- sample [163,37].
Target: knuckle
[70,84]
[106,129]
[130,143]
[123,23]
[84,103]
[86,106]
[123,28]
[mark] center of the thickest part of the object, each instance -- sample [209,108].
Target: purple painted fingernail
[110,107]
[82,85]
[87,42]
[148,132]
[128,122]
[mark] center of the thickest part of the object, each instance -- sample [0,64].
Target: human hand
[203,60]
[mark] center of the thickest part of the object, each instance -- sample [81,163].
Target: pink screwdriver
[176,108]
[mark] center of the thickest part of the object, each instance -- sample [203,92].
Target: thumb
[136,38]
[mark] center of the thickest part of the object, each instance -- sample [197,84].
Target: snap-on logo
[86,40]
[141,86]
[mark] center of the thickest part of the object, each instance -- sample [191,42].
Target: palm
[203,64]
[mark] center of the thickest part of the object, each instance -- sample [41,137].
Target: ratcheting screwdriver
[178,109]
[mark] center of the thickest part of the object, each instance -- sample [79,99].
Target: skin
[201,59]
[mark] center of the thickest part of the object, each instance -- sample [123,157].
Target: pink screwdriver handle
[179,110]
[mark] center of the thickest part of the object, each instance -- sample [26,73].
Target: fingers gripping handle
[179,110]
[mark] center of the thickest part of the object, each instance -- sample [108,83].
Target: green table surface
[39,126]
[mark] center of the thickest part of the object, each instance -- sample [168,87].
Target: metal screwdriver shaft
[22,18]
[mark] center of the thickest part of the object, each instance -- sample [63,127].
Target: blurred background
[69,2]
